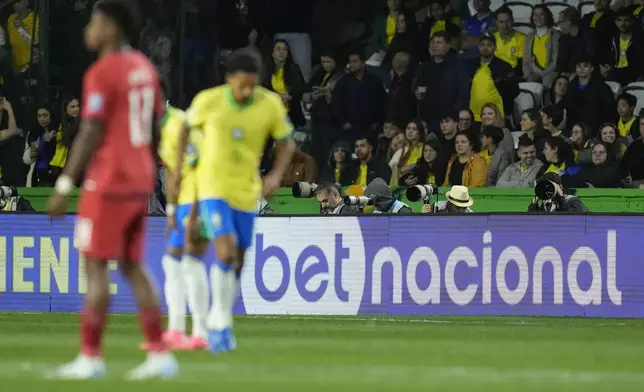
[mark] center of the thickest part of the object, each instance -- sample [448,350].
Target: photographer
[383,201]
[11,201]
[551,197]
[458,201]
[331,202]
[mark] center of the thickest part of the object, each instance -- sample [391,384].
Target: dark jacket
[567,203]
[594,104]
[632,163]
[294,82]
[635,56]
[602,34]
[359,102]
[603,176]
[384,198]
[450,28]
[235,25]
[376,168]
[448,88]
[570,48]
[321,109]
[347,174]
[505,80]
[404,42]
[401,102]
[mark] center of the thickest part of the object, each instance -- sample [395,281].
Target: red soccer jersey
[121,90]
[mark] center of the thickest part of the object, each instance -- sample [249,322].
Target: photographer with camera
[331,202]
[379,195]
[550,196]
[458,199]
[11,201]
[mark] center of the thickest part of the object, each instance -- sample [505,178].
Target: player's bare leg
[223,277]
[159,363]
[89,363]
[196,280]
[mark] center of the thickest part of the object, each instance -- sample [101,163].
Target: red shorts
[109,228]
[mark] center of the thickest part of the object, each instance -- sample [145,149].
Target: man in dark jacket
[441,83]
[627,52]
[572,43]
[359,100]
[503,79]
[599,26]
[368,166]
[589,99]
[401,103]
[384,200]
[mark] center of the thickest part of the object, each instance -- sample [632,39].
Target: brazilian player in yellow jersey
[186,278]
[237,120]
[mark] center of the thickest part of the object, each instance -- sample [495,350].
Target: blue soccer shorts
[219,218]
[177,236]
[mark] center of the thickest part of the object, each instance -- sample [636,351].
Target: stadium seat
[573,3]
[515,136]
[521,11]
[496,4]
[636,84]
[525,28]
[536,89]
[524,101]
[638,92]
[556,7]
[615,87]
[586,7]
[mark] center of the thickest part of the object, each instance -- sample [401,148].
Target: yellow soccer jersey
[174,122]
[234,139]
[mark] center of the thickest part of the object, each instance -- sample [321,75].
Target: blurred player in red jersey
[119,134]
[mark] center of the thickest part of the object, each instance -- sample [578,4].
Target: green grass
[350,354]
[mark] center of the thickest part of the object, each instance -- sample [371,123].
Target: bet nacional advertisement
[502,264]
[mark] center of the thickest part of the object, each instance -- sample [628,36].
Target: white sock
[196,278]
[224,288]
[175,293]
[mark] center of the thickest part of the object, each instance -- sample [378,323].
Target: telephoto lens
[421,192]
[304,190]
[545,190]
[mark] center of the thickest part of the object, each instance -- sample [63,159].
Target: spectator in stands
[40,147]
[493,80]
[541,48]
[438,20]
[389,131]
[510,42]
[301,169]
[401,102]
[532,128]
[588,98]
[383,29]
[12,171]
[559,157]
[491,116]
[292,21]
[495,156]
[636,9]
[572,43]
[442,85]
[369,166]
[67,131]
[339,168]
[22,34]
[603,173]
[467,168]
[449,130]
[477,25]
[406,40]
[627,124]
[466,121]
[522,174]
[609,134]
[358,101]
[631,167]
[397,148]
[581,142]
[626,64]
[600,27]
[284,77]
[319,93]
[557,94]
[430,168]
[552,118]
[415,135]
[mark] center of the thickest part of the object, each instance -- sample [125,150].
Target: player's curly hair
[244,60]
[126,14]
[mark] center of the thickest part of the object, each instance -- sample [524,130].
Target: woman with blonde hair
[491,116]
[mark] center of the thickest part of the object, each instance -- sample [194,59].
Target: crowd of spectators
[430,97]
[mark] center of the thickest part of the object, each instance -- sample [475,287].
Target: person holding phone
[40,146]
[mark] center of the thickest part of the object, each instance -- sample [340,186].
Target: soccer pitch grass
[349,354]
